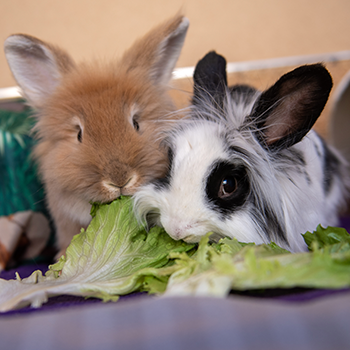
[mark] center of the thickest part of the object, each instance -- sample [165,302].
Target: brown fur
[110,147]
[112,158]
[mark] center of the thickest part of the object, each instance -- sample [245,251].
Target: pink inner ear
[287,118]
[37,77]
[44,77]
[36,66]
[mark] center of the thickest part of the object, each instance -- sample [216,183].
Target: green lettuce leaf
[114,256]
[233,265]
[336,237]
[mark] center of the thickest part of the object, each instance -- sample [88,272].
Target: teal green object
[20,186]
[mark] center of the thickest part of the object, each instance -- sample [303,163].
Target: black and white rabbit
[246,165]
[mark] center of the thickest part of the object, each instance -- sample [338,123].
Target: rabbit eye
[80,135]
[228,187]
[78,128]
[135,122]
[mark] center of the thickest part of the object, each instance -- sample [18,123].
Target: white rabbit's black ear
[285,112]
[157,52]
[36,66]
[210,79]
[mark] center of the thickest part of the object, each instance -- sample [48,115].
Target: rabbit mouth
[190,233]
[191,239]
[214,237]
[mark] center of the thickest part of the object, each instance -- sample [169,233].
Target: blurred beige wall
[240,30]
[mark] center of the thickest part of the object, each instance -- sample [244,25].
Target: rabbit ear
[285,112]
[36,66]
[210,80]
[158,51]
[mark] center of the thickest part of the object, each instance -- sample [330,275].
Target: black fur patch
[164,182]
[242,93]
[222,170]
[243,153]
[210,80]
[291,156]
[294,158]
[266,219]
[297,157]
[330,167]
[318,150]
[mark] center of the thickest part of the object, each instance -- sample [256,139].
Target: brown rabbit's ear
[36,66]
[158,51]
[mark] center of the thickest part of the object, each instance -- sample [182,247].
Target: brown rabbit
[98,125]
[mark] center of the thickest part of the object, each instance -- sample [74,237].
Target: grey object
[185,323]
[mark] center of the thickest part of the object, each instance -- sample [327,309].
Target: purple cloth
[24,271]
[345,223]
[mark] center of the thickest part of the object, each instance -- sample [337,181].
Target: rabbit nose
[121,183]
[125,188]
[110,184]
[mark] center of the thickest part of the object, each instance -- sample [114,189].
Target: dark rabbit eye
[80,135]
[135,122]
[228,187]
